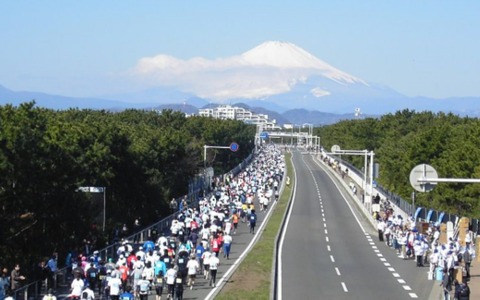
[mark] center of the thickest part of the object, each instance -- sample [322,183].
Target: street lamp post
[233,147]
[310,133]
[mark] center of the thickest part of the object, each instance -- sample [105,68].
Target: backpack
[85,295]
[467,257]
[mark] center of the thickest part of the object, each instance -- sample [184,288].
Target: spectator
[17,279]
[4,283]
[173,206]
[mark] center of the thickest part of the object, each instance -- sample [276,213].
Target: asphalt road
[330,252]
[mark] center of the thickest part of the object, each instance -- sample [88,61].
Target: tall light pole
[310,132]
[233,147]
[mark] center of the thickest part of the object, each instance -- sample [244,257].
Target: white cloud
[217,79]
[268,69]
[318,92]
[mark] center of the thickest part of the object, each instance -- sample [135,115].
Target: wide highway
[330,251]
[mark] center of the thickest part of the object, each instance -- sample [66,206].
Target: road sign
[420,172]
[335,148]
[234,147]
[264,135]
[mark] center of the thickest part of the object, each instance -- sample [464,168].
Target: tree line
[449,143]
[143,158]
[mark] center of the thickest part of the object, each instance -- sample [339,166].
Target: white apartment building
[227,112]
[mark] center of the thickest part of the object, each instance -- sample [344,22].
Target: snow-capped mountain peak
[287,55]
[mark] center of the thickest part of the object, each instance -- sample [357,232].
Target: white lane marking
[386,264]
[391,269]
[338,271]
[325,225]
[331,258]
[401,281]
[369,238]
[326,231]
[379,254]
[282,238]
[328,248]
[407,288]
[326,238]
[344,287]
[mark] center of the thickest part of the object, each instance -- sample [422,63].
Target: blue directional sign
[234,147]
[264,135]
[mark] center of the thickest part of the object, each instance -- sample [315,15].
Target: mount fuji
[281,76]
[277,76]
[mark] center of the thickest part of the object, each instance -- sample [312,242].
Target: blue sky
[86,48]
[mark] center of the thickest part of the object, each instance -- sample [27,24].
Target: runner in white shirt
[114,285]
[77,287]
[214,262]
[192,268]
[170,277]
[206,262]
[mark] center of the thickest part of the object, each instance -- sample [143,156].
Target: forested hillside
[142,158]
[401,141]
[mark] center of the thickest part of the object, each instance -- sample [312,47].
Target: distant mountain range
[274,78]
[189,106]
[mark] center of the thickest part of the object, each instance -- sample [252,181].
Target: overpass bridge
[298,138]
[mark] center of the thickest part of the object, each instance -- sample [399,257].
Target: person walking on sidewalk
[380,228]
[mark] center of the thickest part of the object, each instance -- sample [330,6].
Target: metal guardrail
[34,289]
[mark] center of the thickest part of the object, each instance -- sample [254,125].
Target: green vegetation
[143,158]
[401,141]
[252,280]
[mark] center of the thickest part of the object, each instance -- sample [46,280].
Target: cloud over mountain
[269,69]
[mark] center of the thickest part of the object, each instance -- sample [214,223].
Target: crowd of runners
[199,239]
